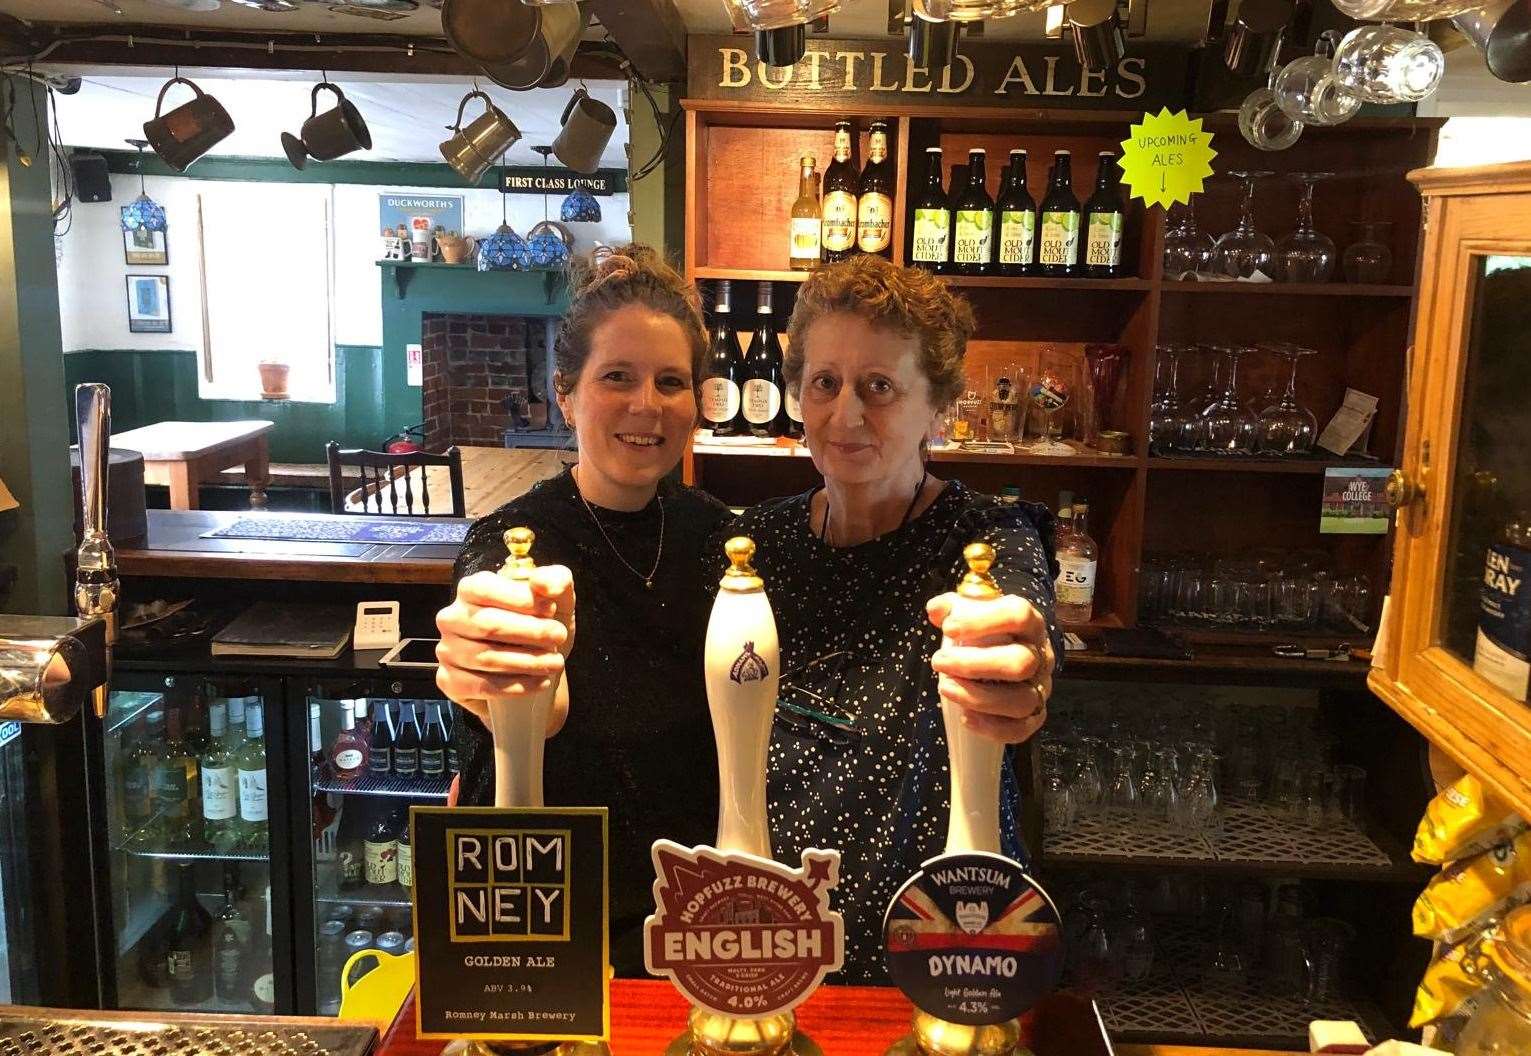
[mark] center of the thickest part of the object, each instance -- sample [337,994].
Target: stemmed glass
[1306,255]
[1243,251]
[1187,248]
[1166,416]
[1286,427]
[1226,427]
[1050,392]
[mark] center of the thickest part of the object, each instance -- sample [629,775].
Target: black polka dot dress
[858,753]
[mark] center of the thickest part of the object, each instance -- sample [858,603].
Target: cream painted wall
[91,269]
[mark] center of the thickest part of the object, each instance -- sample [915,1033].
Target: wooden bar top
[175,547]
[647,1014]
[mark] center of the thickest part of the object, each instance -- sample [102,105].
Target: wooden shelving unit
[1139,504]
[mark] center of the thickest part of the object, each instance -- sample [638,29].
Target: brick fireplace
[475,371]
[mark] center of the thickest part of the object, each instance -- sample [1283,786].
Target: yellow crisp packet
[1462,821]
[1465,895]
[1453,981]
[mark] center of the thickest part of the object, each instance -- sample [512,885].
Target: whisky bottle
[930,243]
[804,252]
[841,190]
[874,206]
[1058,246]
[1077,556]
[1103,222]
[762,371]
[723,376]
[1503,650]
[973,222]
[1017,220]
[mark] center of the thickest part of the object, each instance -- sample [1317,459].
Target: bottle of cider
[874,207]
[1103,222]
[973,221]
[842,186]
[1017,220]
[1058,247]
[804,252]
[930,243]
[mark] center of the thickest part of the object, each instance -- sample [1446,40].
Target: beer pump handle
[976,760]
[743,658]
[96,586]
[519,723]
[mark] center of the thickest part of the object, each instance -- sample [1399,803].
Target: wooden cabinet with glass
[1452,659]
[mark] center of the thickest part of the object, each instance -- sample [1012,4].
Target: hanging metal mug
[1502,31]
[558,27]
[329,135]
[472,150]
[558,72]
[588,125]
[189,131]
[490,31]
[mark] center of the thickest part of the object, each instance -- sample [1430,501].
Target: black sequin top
[856,646]
[638,737]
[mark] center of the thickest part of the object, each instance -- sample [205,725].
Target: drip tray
[63,1032]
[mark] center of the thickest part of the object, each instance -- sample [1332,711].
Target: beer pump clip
[970,938]
[518,726]
[743,937]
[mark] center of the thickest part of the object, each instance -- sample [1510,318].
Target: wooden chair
[383,472]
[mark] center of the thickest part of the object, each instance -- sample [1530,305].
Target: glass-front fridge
[375,747]
[186,797]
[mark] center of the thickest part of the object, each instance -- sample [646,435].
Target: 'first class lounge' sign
[985,74]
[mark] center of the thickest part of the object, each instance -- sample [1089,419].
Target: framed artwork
[149,304]
[142,247]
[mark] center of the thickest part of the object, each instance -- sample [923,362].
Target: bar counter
[646,1015]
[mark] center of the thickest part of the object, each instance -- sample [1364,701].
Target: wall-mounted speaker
[92,181]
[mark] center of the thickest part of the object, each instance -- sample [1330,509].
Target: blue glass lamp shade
[580,207]
[504,251]
[144,212]
[548,250]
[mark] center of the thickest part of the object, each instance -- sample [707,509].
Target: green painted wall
[34,452]
[160,385]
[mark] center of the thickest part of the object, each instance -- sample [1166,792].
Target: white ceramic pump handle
[976,760]
[743,658]
[519,723]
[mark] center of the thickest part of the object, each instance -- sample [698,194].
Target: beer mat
[357,530]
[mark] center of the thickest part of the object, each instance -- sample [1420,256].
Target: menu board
[511,923]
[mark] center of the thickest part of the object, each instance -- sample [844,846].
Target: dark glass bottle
[1017,214]
[406,743]
[381,759]
[723,375]
[449,723]
[433,744]
[188,943]
[842,184]
[930,243]
[382,851]
[1058,243]
[973,222]
[874,208]
[406,853]
[231,935]
[763,404]
[1103,222]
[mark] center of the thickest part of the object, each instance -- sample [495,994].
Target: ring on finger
[1040,689]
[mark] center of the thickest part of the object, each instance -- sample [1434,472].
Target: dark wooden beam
[651,34]
[116,44]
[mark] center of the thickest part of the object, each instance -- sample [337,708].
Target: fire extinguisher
[407,441]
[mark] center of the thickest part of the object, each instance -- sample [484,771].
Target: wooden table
[491,477]
[181,455]
[647,1014]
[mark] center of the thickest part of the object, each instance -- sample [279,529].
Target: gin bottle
[1077,555]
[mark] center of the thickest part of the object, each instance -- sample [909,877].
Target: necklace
[648,580]
[913,502]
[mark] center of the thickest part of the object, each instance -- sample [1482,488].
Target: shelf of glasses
[370,784]
[1253,464]
[1081,457]
[1252,837]
[1289,289]
[1174,1004]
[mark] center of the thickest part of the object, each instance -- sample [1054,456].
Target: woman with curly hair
[859,572]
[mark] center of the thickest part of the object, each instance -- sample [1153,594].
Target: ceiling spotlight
[781,47]
[1254,35]
[1098,39]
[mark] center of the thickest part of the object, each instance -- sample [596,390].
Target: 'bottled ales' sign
[985,74]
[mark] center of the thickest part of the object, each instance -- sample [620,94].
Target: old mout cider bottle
[930,243]
[1058,244]
[1017,216]
[1103,222]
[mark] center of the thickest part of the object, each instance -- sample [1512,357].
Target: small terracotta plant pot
[273,380]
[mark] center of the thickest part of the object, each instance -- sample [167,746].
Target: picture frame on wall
[142,247]
[148,304]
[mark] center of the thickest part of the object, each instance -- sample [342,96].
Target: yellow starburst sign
[1166,158]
